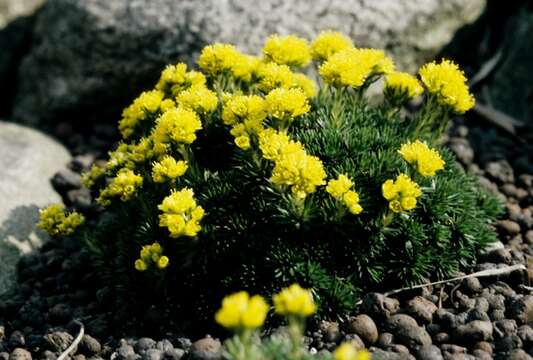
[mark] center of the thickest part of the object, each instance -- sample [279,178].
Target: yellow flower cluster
[427,161]
[400,87]
[168,169]
[401,193]
[199,99]
[353,67]
[119,157]
[181,215]
[340,189]
[177,124]
[176,78]
[347,351]
[292,165]
[90,177]
[308,86]
[294,301]
[225,58]
[148,103]
[241,311]
[245,114]
[449,84]
[328,43]
[55,221]
[287,50]
[286,105]
[272,76]
[123,185]
[151,255]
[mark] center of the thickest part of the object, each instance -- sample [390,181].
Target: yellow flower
[449,84]
[245,67]
[241,107]
[148,103]
[400,87]
[176,78]
[151,255]
[272,76]
[123,185]
[328,43]
[179,125]
[168,169]
[286,104]
[287,50]
[347,351]
[340,189]
[218,58]
[294,301]
[90,177]
[243,142]
[55,221]
[308,86]
[142,151]
[181,215]
[199,99]
[275,144]
[401,193]
[119,157]
[240,311]
[302,172]
[353,67]
[427,161]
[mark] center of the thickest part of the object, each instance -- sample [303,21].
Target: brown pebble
[483,345]
[365,327]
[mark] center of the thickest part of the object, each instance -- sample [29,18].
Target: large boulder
[89,57]
[10,9]
[27,162]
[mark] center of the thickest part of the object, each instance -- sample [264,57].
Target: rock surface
[92,56]
[28,160]
[10,9]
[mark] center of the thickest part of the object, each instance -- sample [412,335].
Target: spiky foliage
[236,210]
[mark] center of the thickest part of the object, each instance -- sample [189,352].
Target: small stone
[164,345]
[385,339]
[355,341]
[365,327]
[445,318]
[144,344]
[499,256]
[509,227]
[66,179]
[57,341]
[2,332]
[474,331]
[380,305]
[476,314]
[521,309]
[500,171]
[462,150]
[20,354]
[79,357]
[519,354]
[125,351]
[153,354]
[429,352]
[183,343]
[4,355]
[81,163]
[526,180]
[453,349]
[507,344]
[406,330]
[89,345]
[330,330]
[421,308]
[174,354]
[472,285]
[485,346]
[505,327]
[528,237]
[497,314]
[16,340]
[525,333]
[481,355]
[509,189]
[481,304]
[206,349]
[399,348]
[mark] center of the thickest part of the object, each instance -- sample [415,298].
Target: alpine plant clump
[246,174]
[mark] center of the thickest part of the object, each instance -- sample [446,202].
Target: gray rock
[500,171]
[390,355]
[365,327]
[519,354]
[125,352]
[481,355]
[509,227]
[355,341]
[378,305]
[164,345]
[4,355]
[79,74]
[525,333]
[206,349]
[429,352]
[28,160]
[11,9]
[521,309]
[174,354]
[16,339]
[330,331]
[57,341]
[20,354]
[406,330]
[153,354]
[144,344]
[385,339]
[474,331]
[421,308]
[89,345]
[506,327]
